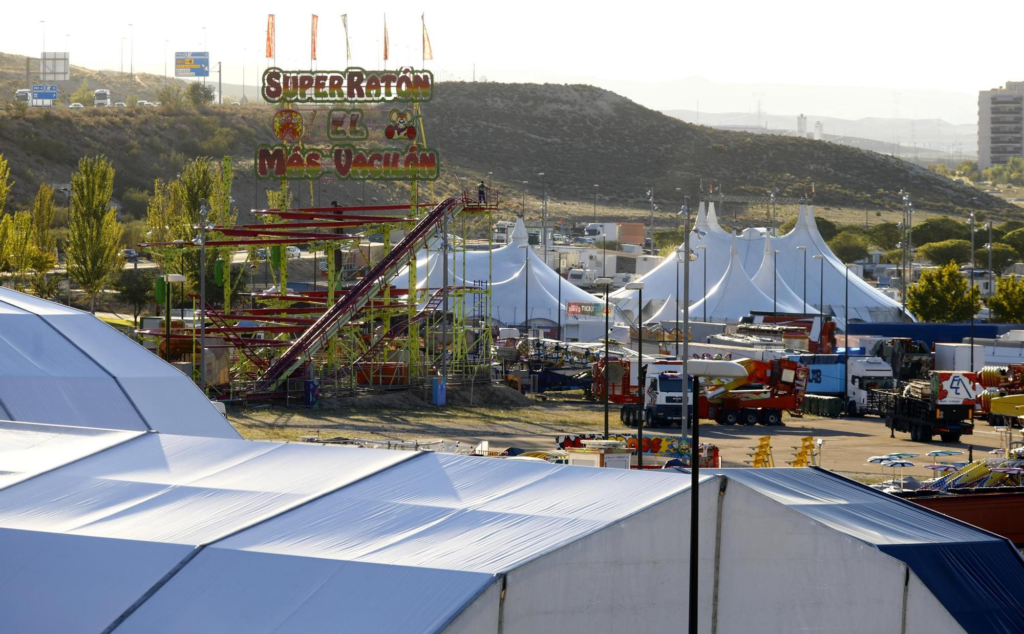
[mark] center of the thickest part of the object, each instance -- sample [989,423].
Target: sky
[919,59]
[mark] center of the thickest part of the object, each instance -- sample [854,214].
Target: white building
[1000,124]
[801,125]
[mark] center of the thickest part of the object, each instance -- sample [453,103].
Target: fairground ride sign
[316,141]
[353,85]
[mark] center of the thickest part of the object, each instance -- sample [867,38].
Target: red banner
[270,36]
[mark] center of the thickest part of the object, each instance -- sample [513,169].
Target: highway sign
[191,64]
[41,91]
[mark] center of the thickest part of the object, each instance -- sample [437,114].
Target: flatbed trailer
[946,410]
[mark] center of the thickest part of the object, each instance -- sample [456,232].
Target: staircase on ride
[318,335]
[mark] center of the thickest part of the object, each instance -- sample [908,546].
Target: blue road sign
[42,91]
[191,64]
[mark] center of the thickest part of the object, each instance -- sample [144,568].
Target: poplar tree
[43,240]
[94,234]
[5,182]
[20,250]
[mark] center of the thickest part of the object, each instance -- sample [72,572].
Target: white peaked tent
[507,268]
[769,282]
[140,532]
[61,365]
[866,303]
[735,295]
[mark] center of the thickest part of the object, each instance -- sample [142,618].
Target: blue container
[311,393]
[438,390]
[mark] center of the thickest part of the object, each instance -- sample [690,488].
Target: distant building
[1000,124]
[801,125]
[819,134]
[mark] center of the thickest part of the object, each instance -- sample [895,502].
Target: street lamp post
[526,269]
[641,374]
[704,257]
[131,54]
[201,241]
[544,217]
[804,249]
[821,301]
[595,202]
[775,285]
[606,283]
[561,265]
[991,275]
[523,210]
[970,291]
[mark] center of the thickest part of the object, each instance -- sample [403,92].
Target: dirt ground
[508,419]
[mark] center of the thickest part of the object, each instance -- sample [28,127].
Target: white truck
[664,399]
[826,372]
[663,391]
[602,231]
[23,95]
[101,98]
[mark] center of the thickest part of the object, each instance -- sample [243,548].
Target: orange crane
[772,387]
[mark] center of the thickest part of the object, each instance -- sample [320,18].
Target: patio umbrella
[943,452]
[940,467]
[901,464]
[999,452]
[878,459]
[902,456]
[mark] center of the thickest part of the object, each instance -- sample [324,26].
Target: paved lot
[535,425]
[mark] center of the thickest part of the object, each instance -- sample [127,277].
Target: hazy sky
[896,45]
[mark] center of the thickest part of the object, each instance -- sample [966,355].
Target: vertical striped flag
[428,51]
[270,36]
[385,37]
[344,25]
[312,50]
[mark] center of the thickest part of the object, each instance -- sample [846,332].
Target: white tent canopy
[507,267]
[769,282]
[159,533]
[866,303]
[61,365]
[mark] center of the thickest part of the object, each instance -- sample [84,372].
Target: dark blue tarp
[978,576]
[932,333]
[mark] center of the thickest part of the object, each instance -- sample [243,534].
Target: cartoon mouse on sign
[401,125]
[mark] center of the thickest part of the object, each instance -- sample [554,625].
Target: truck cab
[866,374]
[664,398]
[23,95]
[101,98]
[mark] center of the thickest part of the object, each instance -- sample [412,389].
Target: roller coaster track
[317,336]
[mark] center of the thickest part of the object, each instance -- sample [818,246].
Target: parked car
[261,255]
[130,254]
[293,252]
[76,105]
[120,104]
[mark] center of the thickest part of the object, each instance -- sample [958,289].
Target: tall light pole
[650,196]
[606,283]
[43,22]
[245,52]
[165,62]
[526,269]
[991,274]
[544,217]
[680,254]
[444,301]
[970,291]
[704,257]
[804,249]
[775,285]
[523,210]
[821,300]
[131,54]
[122,57]
[200,241]
[561,265]
[641,374]
[595,201]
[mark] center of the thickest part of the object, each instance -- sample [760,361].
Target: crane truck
[663,396]
[942,405]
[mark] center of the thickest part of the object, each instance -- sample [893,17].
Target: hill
[576,135]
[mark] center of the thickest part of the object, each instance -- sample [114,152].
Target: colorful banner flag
[312,50]
[385,37]
[428,51]
[348,50]
[270,36]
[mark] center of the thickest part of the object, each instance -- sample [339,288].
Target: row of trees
[28,246]
[944,295]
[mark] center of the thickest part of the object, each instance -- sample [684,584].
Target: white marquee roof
[61,365]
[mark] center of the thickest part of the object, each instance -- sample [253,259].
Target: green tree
[939,229]
[886,235]
[135,287]
[172,98]
[43,239]
[1007,304]
[892,256]
[5,240]
[83,95]
[942,295]
[94,234]
[1015,239]
[5,182]
[1012,173]
[45,286]
[969,170]
[199,95]
[1003,255]
[849,246]
[958,251]
[20,249]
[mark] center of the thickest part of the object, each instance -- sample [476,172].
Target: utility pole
[131,54]
[220,86]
